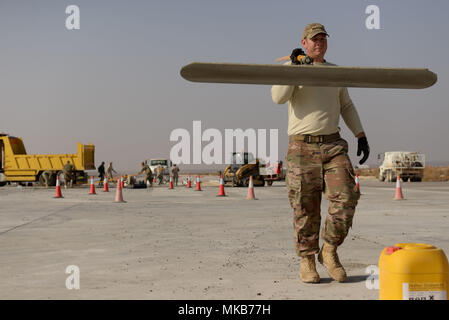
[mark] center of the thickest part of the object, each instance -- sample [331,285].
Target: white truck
[408,165]
[165,163]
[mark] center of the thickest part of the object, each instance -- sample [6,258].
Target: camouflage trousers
[314,168]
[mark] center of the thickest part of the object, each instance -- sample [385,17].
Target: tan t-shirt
[316,110]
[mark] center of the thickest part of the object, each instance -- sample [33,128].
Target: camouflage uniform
[109,172]
[313,168]
[149,175]
[46,175]
[160,174]
[175,171]
[68,171]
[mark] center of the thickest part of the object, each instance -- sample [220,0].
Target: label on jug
[424,291]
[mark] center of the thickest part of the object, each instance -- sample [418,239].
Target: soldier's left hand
[363,147]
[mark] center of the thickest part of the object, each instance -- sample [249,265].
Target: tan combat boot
[307,270]
[329,258]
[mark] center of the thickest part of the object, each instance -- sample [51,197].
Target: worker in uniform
[160,174]
[67,170]
[318,161]
[101,173]
[46,175]
[109,171]
[149,174]
[175,171]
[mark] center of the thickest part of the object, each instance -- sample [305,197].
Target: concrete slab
[186,244]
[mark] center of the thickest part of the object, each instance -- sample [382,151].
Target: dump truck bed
[19,166]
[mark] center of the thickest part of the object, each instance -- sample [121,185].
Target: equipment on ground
[243,166]
[407,165]
[18,166]
[413,271]
[306,75]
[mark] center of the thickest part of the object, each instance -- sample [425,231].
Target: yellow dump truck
[18,166]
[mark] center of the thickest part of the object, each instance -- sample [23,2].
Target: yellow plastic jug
[413,271]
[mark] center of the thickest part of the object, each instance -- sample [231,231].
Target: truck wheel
[2,183]
[404,179]
[418,179]
[381,177]
[270,183]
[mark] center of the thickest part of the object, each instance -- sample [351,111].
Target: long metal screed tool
[306,75]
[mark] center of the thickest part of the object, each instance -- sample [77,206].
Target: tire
[269,183]
[418,179]
[381,177]
[404,179]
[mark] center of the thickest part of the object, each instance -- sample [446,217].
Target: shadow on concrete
[353,279]
[350,279]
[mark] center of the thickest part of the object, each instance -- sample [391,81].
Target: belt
[314,139]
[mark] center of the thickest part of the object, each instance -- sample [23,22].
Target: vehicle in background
[165,163]
[272,173]
[408,165]
[243,166]
[18,166]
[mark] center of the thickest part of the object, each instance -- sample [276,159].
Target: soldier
[149,175]
[101,173]
[47,177]
[175,171]
[109,171]
[317,161]
[67,170]
[160,173]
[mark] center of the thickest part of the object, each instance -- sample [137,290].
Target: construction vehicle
[243,165]
[406,165]
[18,166]
[164,163]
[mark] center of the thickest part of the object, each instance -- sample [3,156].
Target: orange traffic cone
[189,183]
[250,195]
[118,194]
[58,189]
[122,182]
[92,186]
[221,192]
[398,195]
[105,183]
[198,184]
[154,179]
[170,186]
[357,182]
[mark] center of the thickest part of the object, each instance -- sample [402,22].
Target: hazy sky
[115,82]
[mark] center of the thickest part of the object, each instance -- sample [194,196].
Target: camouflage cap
[312,30]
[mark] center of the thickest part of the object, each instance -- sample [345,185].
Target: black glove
[363,147]
[294,56]
[299,52]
